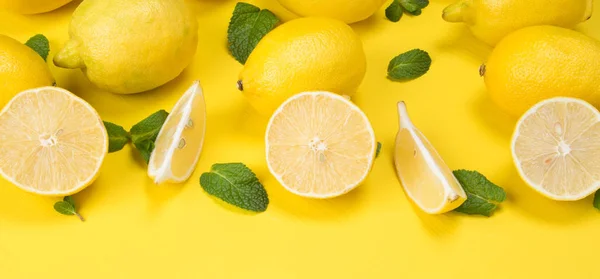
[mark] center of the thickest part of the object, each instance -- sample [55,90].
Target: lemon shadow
[530,203]
[461,41]
[494,119]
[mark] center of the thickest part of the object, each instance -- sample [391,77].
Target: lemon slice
[52,142]
[426,179]
[179,142]
[319,145]
[556,148]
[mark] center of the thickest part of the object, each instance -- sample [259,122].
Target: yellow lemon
[426,179]
[20,68]
[32,6]
[555,148]
[540,62]
[320,145]
[491,20]
[179,142]
[305,54]
[53,142]
[130,46]
[347,11]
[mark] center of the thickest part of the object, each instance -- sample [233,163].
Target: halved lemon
[426,179]
[179,142]
[319,145]
[556,148]
[51,142]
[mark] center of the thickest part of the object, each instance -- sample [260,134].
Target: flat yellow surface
[135,229]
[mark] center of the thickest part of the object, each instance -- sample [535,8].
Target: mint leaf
[414,6]
[597,199]
[236,184]
[248,25]
[117,137]
[70,200]
[40,44]
[483,196]
[67,207]
[415,12]
[378,149]
[409,65]
[394,11]
[144,133]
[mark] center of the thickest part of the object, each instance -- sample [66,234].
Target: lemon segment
[426,179]
[319,145]
[556,148]
[53,142]
[180,140]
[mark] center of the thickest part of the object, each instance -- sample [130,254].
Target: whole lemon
[541,62]
[304,54]
[21,68]
[491,20]
[130,46]
[347,11]
[32,6]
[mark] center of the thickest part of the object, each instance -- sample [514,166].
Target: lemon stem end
[240,85]
[68,57]
[455,12]
[482,70]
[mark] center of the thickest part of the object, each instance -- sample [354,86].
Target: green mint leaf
[70,200]
[145,132]
[483,196]
[378,149]
[117,137]
[416,12]
[67,207]
[414,6]
[64,208]
[248,25]
[597,199]
[236,184]
[40,44]
[394,11]
[409,65]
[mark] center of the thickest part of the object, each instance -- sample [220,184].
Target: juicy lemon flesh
[557,148]
[424,175]
[320,145]
[180,140]
[53,143]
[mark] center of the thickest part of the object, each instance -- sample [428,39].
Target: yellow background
[135,229]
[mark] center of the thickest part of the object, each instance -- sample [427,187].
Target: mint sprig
[483,196]
[597,200]
[235,184]
[398,7]
[394,11]
[39,43]
[144,133]
[409,65]
[378,150]
[117,137]
[67,207]
[248,25]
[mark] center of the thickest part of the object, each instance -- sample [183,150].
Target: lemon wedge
[179,142]
[52,142]
[426,179]
[556,148]
[319,145]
